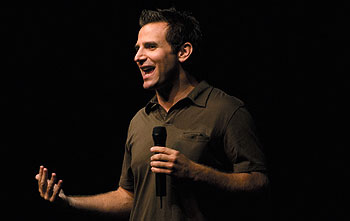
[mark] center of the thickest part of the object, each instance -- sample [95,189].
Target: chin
[149,85]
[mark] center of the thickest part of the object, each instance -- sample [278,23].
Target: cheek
[168,64]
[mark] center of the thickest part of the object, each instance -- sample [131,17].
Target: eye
[151,46]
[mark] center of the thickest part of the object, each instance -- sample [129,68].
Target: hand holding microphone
[167,161]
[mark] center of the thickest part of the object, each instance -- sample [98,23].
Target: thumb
[61,193]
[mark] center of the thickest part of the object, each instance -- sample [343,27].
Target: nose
[140,57]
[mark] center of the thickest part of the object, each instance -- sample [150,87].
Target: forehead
[153,32]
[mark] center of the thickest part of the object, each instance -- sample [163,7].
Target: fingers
[48,188]
[56,190]
[42,182]
[164,159]
[164,154]
[165,150]
[169,161]
[38,176]
[162,170]
[162,167]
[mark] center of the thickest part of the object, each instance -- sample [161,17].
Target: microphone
[159,138]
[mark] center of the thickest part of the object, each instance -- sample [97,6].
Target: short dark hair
[182,28]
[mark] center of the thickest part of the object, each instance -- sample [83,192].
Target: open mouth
[148,69]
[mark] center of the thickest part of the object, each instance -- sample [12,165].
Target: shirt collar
[199,96]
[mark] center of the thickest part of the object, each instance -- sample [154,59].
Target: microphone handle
[159,137]
[160,184]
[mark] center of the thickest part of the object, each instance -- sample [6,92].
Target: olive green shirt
[210,128]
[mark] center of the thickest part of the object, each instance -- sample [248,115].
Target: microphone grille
[159,131]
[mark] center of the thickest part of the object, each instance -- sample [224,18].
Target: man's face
[154,55]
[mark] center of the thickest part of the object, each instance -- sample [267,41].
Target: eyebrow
[146,44]
[151,43]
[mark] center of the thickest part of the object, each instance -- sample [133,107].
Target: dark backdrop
[70,87]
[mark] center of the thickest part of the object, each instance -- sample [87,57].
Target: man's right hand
[49,189]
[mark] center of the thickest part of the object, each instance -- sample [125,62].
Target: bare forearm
[232,182]
[118,202]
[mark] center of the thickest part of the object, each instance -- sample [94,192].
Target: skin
[161,70]
[169,79]
[118,202]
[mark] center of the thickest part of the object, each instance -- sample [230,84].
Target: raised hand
[49,189]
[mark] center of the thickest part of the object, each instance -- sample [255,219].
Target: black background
[69,88]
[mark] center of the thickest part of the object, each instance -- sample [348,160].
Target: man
[212,157]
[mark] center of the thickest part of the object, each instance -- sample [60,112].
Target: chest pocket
[193,145]
[195,136]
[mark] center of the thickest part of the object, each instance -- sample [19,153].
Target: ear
[185,52]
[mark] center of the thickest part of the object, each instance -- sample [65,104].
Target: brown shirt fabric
[209,127]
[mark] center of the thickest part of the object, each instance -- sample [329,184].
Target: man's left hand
[171,162]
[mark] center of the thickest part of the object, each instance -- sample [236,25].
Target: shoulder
[138,117]
[220,100]
[137,123]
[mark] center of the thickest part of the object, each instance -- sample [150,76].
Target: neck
[176,90]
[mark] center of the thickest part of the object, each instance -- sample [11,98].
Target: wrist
[64,201]
[195,171]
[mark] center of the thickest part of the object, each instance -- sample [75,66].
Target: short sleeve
[241,143]
[127,179]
